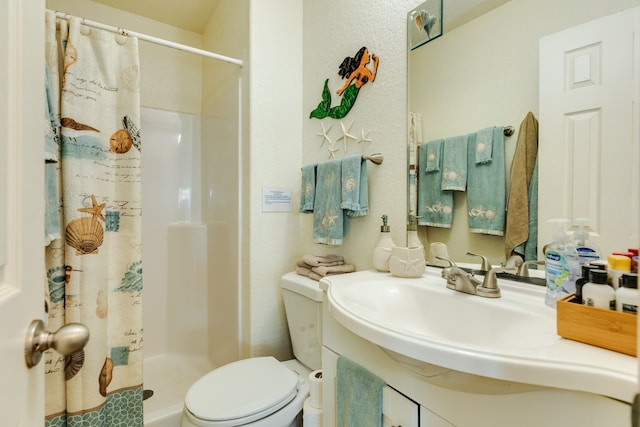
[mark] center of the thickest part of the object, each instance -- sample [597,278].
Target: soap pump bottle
[587,250]
[561,264]
[413,241]
[382,251]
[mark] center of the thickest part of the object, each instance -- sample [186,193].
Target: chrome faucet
[489,287]
[458,279]
[461,281]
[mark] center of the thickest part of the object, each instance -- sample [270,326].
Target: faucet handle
[485,265]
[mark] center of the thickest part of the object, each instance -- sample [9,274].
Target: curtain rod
[153,39]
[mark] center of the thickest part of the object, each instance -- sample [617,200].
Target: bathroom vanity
[454,359]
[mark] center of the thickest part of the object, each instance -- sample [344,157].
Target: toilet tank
[303,305]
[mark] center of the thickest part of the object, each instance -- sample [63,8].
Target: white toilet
[261,391]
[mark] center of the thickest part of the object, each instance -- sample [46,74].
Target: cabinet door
[430,419]
[398,410]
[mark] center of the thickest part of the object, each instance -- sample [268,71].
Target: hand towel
[358,395]
[454,163]
[328,216]
[303,271]
[484,145]
[355,187]
[521,173]
[308,188]
[318,260]
[433,156]
[486,193]
[435,207]
[335,269]
[531,245]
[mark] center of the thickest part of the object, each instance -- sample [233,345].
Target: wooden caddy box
[608,329]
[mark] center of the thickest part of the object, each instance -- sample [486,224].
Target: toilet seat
[241,392]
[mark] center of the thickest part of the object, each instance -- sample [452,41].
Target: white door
[21,206]
[589,140]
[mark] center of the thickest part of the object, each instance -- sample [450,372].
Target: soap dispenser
[382,251]
[561,264]
[587,250]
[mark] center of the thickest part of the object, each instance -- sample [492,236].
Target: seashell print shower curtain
[93,225]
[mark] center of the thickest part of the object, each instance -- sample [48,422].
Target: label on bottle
[586,254]
[557,270]
[630,308]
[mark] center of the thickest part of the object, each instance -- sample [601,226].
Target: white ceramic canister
[597,293]
[407,262]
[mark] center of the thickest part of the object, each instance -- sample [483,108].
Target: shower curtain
[93,224]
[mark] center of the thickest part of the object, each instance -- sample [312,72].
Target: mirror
[484,71]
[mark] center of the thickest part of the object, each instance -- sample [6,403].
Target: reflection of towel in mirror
[358,395]
[531,245]
[308,188]
[484,145]
[486,182]
[454,163]
[328,216]
[435,207]
[521,174]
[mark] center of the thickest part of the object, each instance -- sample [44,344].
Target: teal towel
[484,145]
[432,159]
[328,216]
[355,187]
[358,396]
[308,188]
[454,163]
[435,207]
[486,182]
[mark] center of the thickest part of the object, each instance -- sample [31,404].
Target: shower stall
[190,299]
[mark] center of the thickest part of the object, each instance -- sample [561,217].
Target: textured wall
[332,31]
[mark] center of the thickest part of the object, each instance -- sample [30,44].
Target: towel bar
[375,158]
[508,130]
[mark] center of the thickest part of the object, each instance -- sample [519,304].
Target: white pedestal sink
[512,338]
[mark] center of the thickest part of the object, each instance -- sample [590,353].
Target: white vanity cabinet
[430,419]
[441,397]
[398,410]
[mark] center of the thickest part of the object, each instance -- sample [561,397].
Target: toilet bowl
[261,391]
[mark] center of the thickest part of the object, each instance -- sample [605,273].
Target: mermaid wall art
[357,73]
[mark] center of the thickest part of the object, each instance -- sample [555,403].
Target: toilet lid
[248,389]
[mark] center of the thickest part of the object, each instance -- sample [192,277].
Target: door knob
[66,340]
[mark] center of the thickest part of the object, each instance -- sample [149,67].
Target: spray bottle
[587,250]
[562,267]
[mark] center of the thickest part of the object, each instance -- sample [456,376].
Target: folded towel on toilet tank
[318,260]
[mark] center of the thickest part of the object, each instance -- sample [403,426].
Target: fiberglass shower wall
[174,238]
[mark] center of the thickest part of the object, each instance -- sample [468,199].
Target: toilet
[261,391]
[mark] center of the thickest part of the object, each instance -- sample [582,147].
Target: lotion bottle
[382,251]
[597,293]
[561,265]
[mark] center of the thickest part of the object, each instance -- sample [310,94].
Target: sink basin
[511,338]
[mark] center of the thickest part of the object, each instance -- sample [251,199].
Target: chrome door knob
[66,340]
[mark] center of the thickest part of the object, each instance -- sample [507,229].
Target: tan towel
[303,271]
[327,260]
[324,270]
[524,160]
